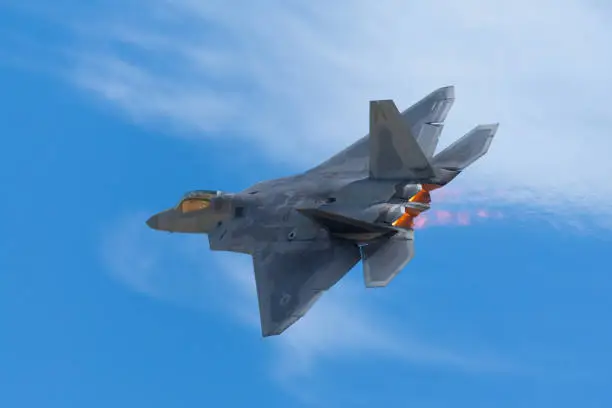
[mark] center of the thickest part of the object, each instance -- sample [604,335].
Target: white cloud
[343,324]
[296,77]
[137,258]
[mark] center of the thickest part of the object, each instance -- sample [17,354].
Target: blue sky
[111,111]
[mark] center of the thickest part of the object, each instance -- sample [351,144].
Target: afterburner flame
[408,219]
[416,220]
[438,218]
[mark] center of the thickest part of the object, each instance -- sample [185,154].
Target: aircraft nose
[153,222]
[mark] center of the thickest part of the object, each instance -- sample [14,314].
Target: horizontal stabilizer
[426,118]
[385,258]
[466,150]
[394,152]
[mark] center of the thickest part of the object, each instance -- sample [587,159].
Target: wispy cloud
[296,77]
[343,324]
[138,260]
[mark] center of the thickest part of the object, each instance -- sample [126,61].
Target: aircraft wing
[290,277]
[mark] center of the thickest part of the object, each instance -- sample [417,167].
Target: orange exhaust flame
[413,219]
[407,220]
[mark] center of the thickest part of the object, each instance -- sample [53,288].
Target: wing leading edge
[291,277]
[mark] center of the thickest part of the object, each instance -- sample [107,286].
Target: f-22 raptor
[306,231]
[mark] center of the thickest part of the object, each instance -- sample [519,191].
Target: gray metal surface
[306,231]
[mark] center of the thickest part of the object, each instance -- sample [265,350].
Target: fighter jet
[306,231]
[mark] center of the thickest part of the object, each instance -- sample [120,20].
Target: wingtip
[271,329]
[491,127]
[446,92]
[270,332]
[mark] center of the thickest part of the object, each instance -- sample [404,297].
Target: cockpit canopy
[197,200]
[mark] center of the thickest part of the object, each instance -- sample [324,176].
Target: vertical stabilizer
[426,118]
[394,152]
